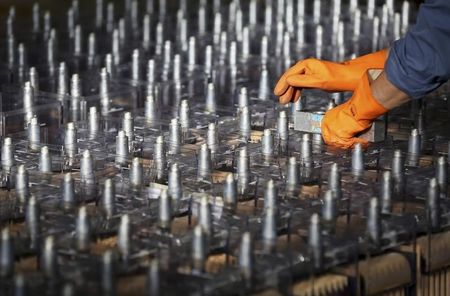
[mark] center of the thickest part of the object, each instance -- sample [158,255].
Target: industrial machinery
[143,153]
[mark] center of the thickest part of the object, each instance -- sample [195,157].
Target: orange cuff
[364,106]
[375,60]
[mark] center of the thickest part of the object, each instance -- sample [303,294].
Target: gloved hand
[325,75]
[342,124]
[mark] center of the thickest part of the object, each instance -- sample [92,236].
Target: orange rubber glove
[342,124]
[325,75]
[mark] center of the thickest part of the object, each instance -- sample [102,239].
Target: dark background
[23,7]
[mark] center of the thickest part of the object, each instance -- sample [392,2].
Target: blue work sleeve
[420,62]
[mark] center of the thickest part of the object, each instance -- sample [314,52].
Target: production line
[143,152]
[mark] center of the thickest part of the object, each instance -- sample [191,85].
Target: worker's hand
[325,75]
[342,125]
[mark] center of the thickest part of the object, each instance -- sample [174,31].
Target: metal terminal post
[108,273]
[298,105]
[36,18]
[20,286]
[83,230]
[104,90]
[398,173]
[434,205]
[386,189]
[11,47]
[94,122]
[263,90]
[269,231]
[192,54]
[70,140]
[51,52]
[230,194]
[75,94]
[184,116]
[124,237]
[271,195]
[33,76]
[245,124]
[212,137]
[283,125]
[146,32]
[7,154]
[21,58]
[292,174]
[34,134]
[442,175]
[210,103]
[32,222]
[201,20]
[176,69]
[174,136]
[159,38]
[267,143]
[330,207]
[208,60]
[128,126]
[87,174]
[217,28]
[108,200]
[47,24]
[135,65]
[159,158]
[358,160]
[165,211]
[306,150]
[200,249]
[49,262]
[319,41]
[243,100]
[151,109]
[204,215]
[414,147]
[223,47]
[28,95]
[92,49]
[174,184]
[232,55]
[22,184]
[110,65]
[374,230]
[334,181]
[315,241]
[68,290]
[78,41]
[243,169]
[68,191]
[246,258]
[287,47]
[167,55]
[204,163]
[136,172]
[154,278]
[122,148]
[45,161]
[264,50]
[245,44]
[116,47]
[6,254]
[63,82]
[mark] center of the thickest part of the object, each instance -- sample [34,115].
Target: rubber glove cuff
[341,125]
